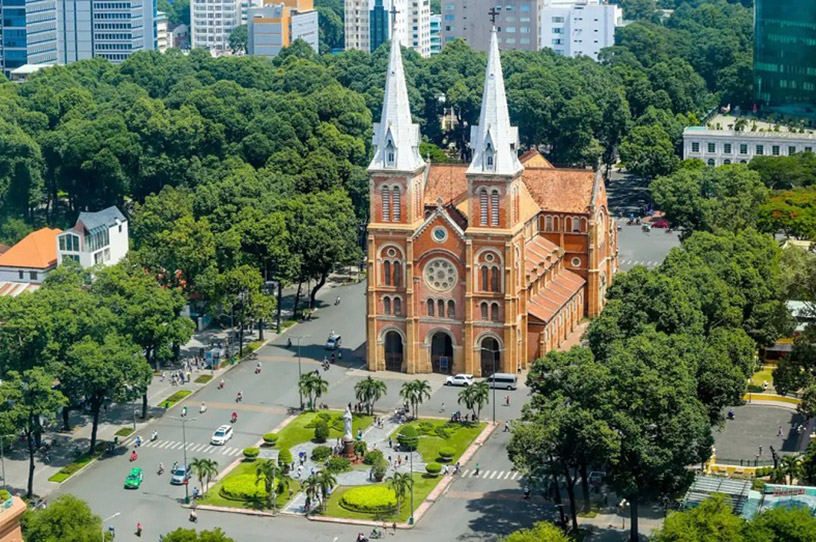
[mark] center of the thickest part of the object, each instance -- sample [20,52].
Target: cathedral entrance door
[491,356]
[442,353]
[393,351]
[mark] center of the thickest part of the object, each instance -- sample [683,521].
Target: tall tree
[67,519]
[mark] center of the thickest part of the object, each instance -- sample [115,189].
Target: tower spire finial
[396,137]
[494,141]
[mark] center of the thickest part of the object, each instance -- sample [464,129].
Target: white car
[459,380]
[221,435]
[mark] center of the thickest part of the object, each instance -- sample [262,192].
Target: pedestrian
[506,426]
[389,460]
[443,407]
[163,376]
[446,470]
[765,385]
[399,460]
[507,400]
[779,431]
[760,450]
[476,470]
[390,443]
[394,525]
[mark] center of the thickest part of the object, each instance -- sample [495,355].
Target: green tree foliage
[541,531]
[66,519]
[712,521]
[792,212]
[368,391]
[786,172]
[648,151]
[178,11]
[190,535]
[239,40]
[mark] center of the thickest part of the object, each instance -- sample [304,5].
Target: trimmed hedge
[372,456]
[369,499]
[251,453]
[408,437]
[319,453]
[270,438]
[338,464]
[433,468]
[285,457]
[446,454]
[321,431]
[242,487]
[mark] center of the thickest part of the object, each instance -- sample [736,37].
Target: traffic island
[243,491]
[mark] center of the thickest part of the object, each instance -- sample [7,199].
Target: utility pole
[300,371]
[184,421]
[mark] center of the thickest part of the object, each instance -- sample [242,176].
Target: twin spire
[494,141]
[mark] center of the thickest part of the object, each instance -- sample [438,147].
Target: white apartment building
[356,24]
[97,238]
[720,147]
[211,22]
[578,27]
[161,32]
[411,26]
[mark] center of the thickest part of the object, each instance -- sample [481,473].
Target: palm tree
[422,391]
[312,386]
[326,481]
[400,482]
[267,472]
[312,487]
[407,391]
[205,470]
[369,391]
[792,467]
[475,397]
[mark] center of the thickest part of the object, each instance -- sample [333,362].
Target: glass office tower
[28,33]
[785,52]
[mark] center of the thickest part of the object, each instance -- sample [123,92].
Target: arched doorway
[491,356]
[441,353]
[393,351]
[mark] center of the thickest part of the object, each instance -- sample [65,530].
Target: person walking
[442,409]
[506,426]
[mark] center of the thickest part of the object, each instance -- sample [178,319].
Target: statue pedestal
[348,447]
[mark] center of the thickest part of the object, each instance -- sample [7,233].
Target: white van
[502,381]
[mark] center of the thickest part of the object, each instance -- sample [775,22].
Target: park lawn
[203,379]
[175,398]
[213,496]
[124,432]
[297,433]
[763,375]
[423,485]
[430,444]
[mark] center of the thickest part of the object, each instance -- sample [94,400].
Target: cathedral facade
[484,267]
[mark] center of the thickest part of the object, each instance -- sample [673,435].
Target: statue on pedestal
[347,417]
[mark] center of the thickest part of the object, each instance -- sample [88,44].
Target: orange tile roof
[37,250]
[533,158]
[564,190]
[558,292]
[539,253]
[13,289]
[446,181]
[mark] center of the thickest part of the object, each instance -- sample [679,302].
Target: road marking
[516,474]
[199,447]
[167,444]
[492,474]
[225,451]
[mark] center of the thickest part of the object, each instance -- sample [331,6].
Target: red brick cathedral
[471,266]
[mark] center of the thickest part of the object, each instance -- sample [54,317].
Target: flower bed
[369,499]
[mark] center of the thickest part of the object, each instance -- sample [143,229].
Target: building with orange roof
[32,258]
[481,267]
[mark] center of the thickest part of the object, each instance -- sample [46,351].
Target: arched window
[555,224]
[451,309]
[494,312]
[430,307]
[576,225]
[568,224]
[387,272]
[397,306]
[494,208]
[583,224]
[726,161]
[548,225]
[516,204]
[484,277]
[711,162]
[484,311]
[386,204]
[494,279]
[417,200]
[489,157]
[397,274]
[387,305]
[396,204]
[389,154]
[483,207]
[441,308]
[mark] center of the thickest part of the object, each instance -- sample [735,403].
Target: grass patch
[254,345]
[72,468]
[175,398]
[460,435]
[763,375]
[593,512]
[124,432]
[286,324]
[215,498]
[297,433]
[203,379]
[423,485]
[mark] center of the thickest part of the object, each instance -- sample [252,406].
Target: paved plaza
[758,425]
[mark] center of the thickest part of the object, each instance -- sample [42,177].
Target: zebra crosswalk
[492,474]
[194,447]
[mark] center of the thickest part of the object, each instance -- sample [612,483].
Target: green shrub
[242,487]
[323,416]
[379,468]
[320,453]
[360,447]
[321,431]
[270,438]
[338,464]
[758,485]
[369,499]
[4,495]
[446,453]
[442,432]
[337,423]
[372,456]
[763,471]
[285,457]
[251,453]
[433,468]
[425,427]
[408,437]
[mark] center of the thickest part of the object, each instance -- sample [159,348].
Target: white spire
[396,137]
[494,141]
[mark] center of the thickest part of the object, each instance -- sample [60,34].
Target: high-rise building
[579,27]
[211,22]
[436,38]
[275,26]
[516,23]
[43,32]
[407,22]
[161,32]
[379,25]
[785,52]
[356,24]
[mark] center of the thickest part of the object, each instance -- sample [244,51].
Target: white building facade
[578,27]
[161,32]
[211,22]
[721,147]
[411,25]
[97,238]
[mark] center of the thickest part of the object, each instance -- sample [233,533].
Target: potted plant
[379,469]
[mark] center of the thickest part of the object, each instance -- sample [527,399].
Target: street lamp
[494,352]
[184,421]
[411,519]
[622,506]
[300,374]
[104,521]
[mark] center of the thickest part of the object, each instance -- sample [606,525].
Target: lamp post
[494,352]
[104,521]
[300,373]
[184,421]
[411,519]
[623,505]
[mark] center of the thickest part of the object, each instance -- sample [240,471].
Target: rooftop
[106,217]
[37,250]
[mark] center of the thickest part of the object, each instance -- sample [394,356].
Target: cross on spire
[393,13]
[493,14]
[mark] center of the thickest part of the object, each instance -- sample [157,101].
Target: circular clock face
[440,275]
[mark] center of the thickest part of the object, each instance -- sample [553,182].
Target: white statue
[347,417]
